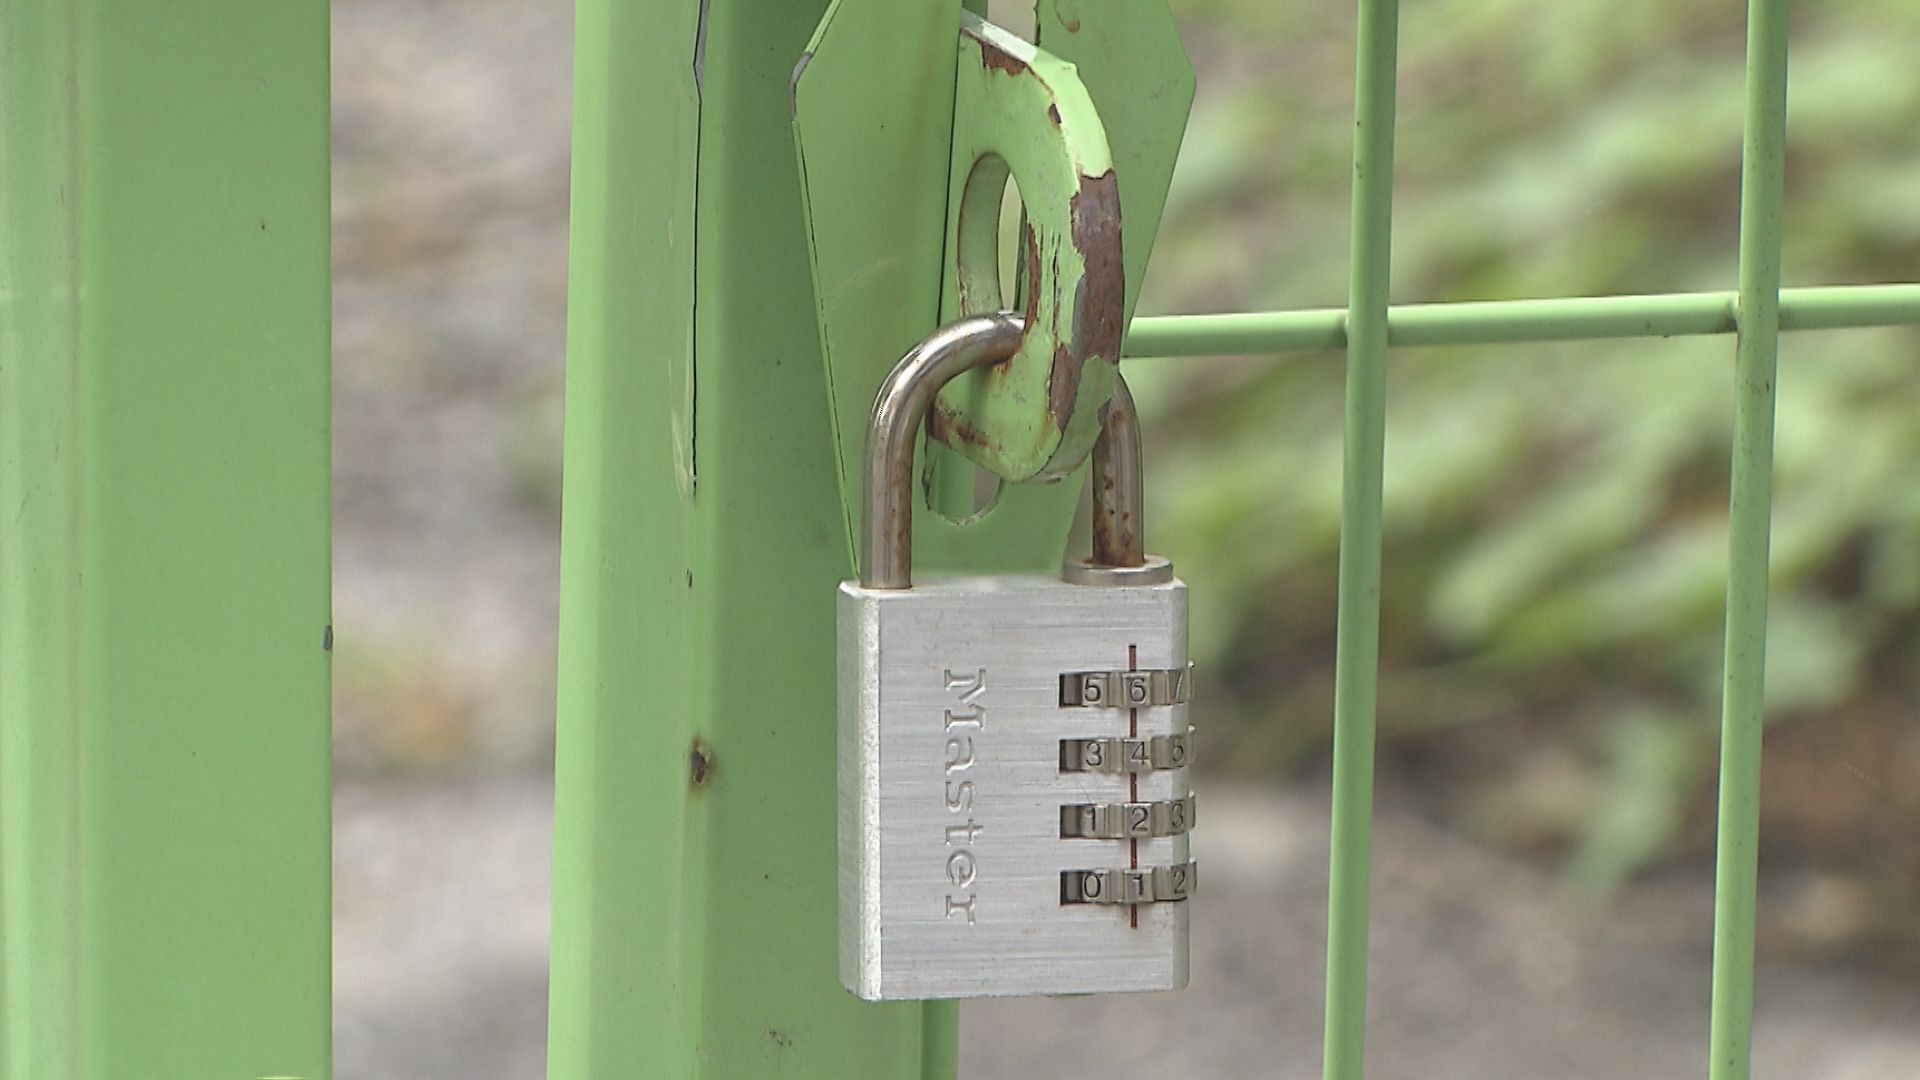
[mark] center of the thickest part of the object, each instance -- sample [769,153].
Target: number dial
[1126,821]
[1148,885]
[1125,755]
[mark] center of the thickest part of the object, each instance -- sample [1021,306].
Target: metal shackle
[886,518]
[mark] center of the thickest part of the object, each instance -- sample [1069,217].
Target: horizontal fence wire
[1511,322]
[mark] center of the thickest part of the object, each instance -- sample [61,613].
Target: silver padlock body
[951,787]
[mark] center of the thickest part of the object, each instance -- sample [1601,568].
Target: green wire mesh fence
[1758,311]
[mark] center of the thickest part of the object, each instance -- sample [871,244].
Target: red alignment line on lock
[1133,786]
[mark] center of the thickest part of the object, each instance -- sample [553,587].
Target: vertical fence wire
[1356,664]
[1763,167]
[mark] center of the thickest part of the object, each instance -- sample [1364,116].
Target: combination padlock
[1013,750]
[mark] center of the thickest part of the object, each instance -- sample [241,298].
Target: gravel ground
[451,141]
[1482,967]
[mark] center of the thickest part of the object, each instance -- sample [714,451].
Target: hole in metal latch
[995,249]
[994,245]
[1014,240]
[956,488]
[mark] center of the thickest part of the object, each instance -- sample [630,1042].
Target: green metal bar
[1762,183]
[623,987]
[1357,643]
[694,926]
[1509,322]
[1849,307]
[164,595]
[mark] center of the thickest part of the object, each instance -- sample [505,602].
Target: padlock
[1013,749]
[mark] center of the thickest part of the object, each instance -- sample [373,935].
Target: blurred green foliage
[1556,515]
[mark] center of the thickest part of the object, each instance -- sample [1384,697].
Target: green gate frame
[164,551]
[693,925]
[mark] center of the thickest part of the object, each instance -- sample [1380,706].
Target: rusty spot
[1095,213]
[701,762]
[1072,25]
[995,59]
[1063,385]
[897,514]
[1053,114]
[1112,533]
[955,431]
[1100,297]
[1116,530]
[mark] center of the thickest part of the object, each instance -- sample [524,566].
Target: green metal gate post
[164,454]
[694,923]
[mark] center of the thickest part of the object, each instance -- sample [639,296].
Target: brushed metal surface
[912,868]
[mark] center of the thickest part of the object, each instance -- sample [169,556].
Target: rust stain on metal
[1116,533]
[1072,25]
[895,511]
[1095,213]
[954,430]
[1063,385]
[1099,296]
[701,763]
[903,535]
[1053,114]
[997,60]
[1112,534]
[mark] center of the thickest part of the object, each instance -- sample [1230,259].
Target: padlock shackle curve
[886,517]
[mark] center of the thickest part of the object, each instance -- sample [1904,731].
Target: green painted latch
[1023,114]
[910,119]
